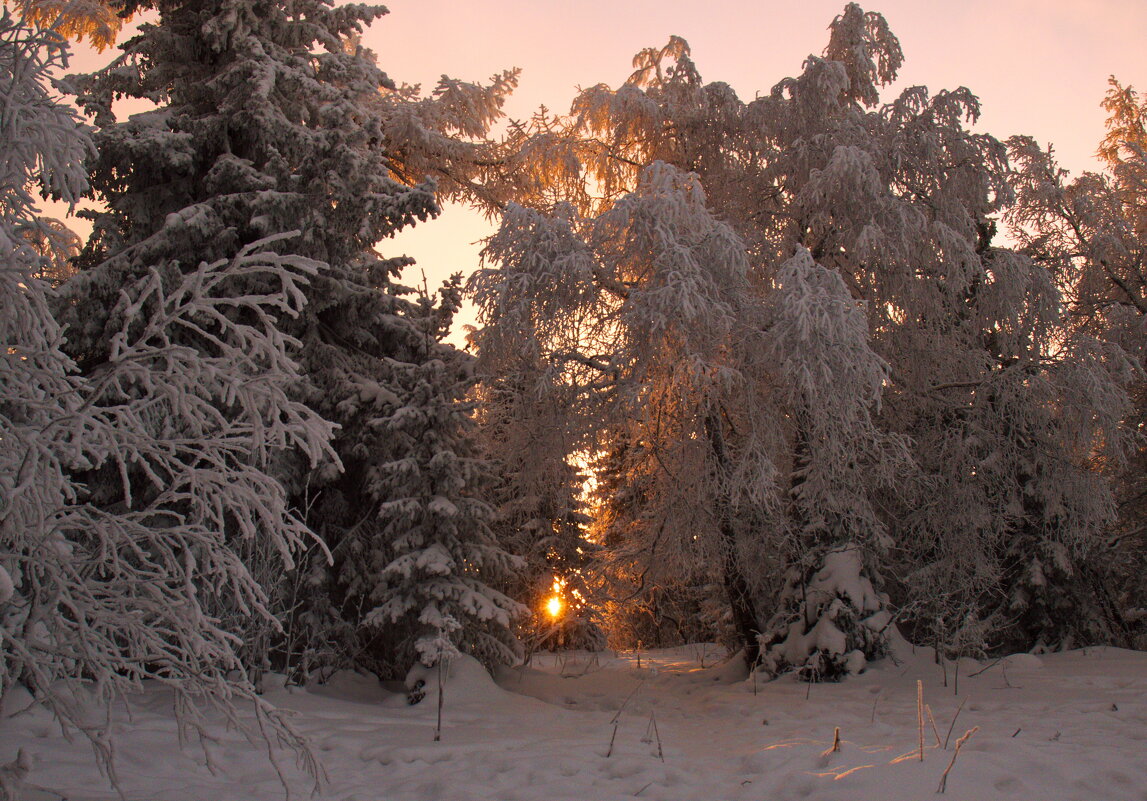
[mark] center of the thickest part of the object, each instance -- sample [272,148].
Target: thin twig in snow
[621,708]
[946,739]
[988,666]
[920,714]
[612,737]
[932,720]
[956,753]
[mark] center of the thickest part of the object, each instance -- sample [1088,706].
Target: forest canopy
[786,373]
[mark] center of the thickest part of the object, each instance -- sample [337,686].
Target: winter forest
[813,387]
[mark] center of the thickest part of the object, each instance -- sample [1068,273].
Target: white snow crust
[1058,726]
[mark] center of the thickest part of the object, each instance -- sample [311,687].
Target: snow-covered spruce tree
[187,412]
[273,119]
[434,520]
[536,494]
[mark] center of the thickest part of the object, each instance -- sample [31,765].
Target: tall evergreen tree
[272,119]
[434,519]
[117,486]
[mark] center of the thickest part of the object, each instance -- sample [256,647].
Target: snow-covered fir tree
[272,118]
[434,521]
[184,418]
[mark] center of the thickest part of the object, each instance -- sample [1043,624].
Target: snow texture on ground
[1060,726]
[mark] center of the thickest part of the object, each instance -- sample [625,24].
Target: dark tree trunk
[740,596]
[802,456]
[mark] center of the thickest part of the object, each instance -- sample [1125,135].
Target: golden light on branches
[75,19]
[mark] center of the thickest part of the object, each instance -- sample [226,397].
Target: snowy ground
[1062,726]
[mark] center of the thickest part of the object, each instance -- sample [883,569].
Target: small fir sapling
[829,626]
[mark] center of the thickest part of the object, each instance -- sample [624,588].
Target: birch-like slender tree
[963,478]
[1089,232]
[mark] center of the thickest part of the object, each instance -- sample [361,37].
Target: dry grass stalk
[835,742]
[657,734]
[438,725]
[955,753]
[953,724]
[920,714]
[932,720]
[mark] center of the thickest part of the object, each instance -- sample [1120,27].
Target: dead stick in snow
[835,742]
[932,720]
[621,708]
[956,753]
[438,726]
[657,734]
[949,736]
[988,666]
[920,714]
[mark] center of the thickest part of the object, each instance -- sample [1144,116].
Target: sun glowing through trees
[564,617]
[555,606]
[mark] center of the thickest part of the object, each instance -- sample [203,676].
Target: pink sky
[1039,68]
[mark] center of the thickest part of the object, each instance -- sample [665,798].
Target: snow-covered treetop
[31,116]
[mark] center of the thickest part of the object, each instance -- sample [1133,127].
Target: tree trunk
[736,585]
[740,598]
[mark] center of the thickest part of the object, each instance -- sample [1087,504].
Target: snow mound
[1024,662]
[347,685]
[465,680]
